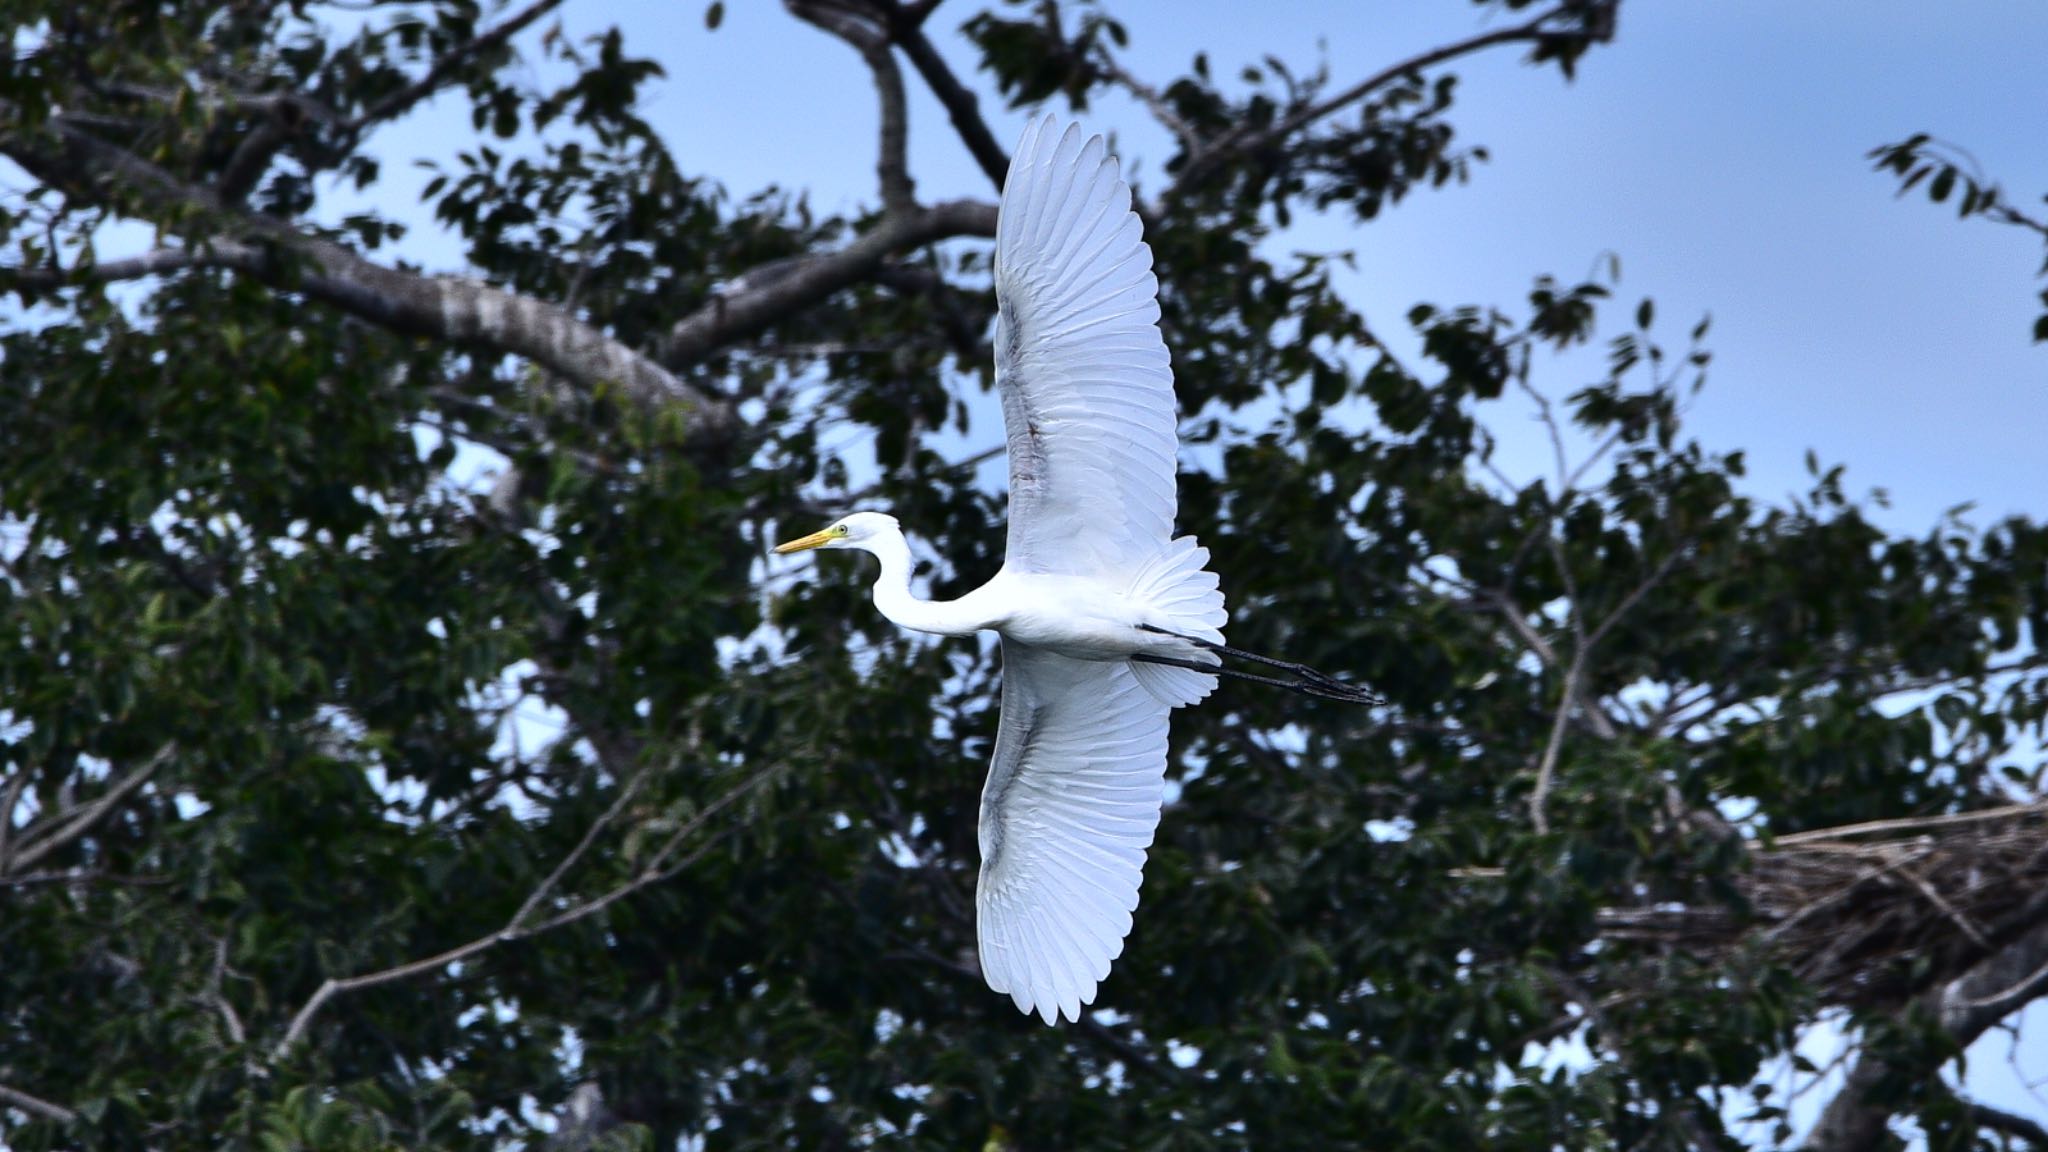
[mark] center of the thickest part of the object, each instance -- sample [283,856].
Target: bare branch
[442,307]
[251,158]
[871,40]
[78,822]
[1527,631]
[215,998]
[660,867]
[1966,1007]
[2009,1123]
[36,1105]
[1910,824]
[1628,602]
[740,312]
[906,28]
[1153,102]
[151,263]
[334,987]
[590,835]
[1546,769]
[79,876]
[1573,693]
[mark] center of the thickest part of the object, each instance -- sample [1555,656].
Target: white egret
[1108,621]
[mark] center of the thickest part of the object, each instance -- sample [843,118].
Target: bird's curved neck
[893,596]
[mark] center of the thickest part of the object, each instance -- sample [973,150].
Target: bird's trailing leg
[1307,681]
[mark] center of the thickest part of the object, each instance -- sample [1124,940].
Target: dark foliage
[359,800]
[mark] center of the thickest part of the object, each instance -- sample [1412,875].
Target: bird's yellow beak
[805,544]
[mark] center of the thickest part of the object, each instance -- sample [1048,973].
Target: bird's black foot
[1307,681]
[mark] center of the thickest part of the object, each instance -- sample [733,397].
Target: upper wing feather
[1084,375]
[1069,809]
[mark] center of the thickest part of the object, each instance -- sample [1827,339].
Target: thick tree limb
[441,307]
[1965,1007]
[761,301]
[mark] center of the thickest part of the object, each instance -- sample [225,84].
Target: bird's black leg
[1304,687]
[1310,682]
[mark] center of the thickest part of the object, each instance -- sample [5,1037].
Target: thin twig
[590,835]
[79,876]
[1908,824]
[658,869]
[1546,769]
[1947,909]
[1153,101]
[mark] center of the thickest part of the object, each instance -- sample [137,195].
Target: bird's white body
[1075,616]
[1094,578]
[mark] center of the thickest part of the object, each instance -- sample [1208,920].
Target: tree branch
[745,309]
[445,69]
[2010,1123]
[871,40]
[36,1105]
[77,822]
[1247,138]
[1546,768]
[657,869]
[1965,1007]
[441,307]
[906,28]
[1153,102]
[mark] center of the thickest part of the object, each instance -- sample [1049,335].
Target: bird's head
[852,531]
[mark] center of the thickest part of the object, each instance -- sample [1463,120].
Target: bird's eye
[841,530]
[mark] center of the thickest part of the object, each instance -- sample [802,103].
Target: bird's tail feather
[1177,588]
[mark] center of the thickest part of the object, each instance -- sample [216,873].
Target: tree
[359,801]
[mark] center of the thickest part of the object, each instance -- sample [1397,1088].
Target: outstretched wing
[1070,806]
[1082,370]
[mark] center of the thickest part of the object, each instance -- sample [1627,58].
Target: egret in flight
[1108,621]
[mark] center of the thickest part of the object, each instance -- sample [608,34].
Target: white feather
[1069,809]
[1084,375]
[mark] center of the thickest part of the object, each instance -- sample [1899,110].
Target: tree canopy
[407,741]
